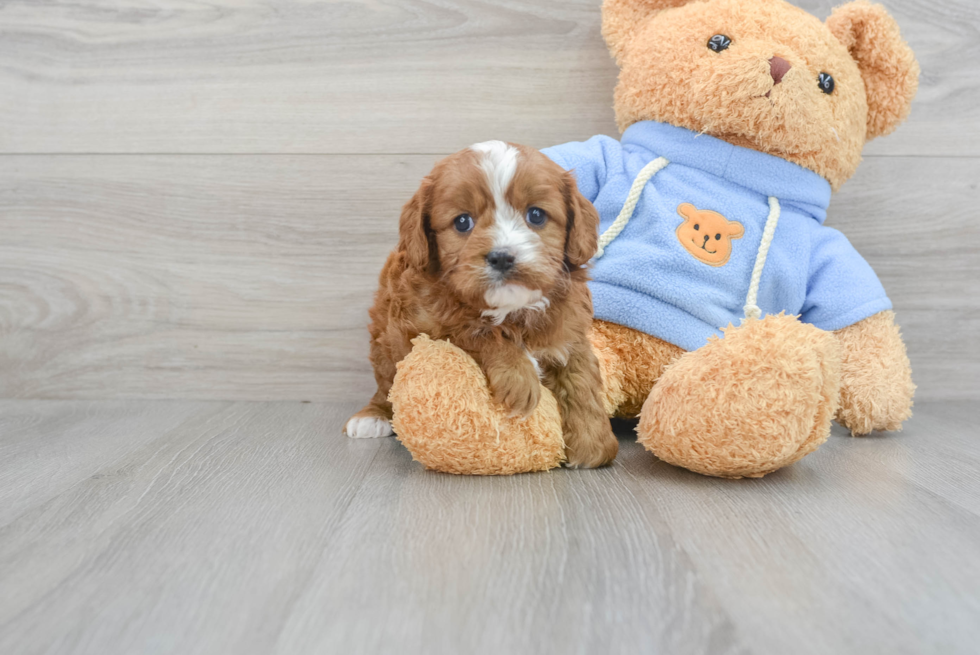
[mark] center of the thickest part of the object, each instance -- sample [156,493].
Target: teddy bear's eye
[719,42]
[718,237]
[826,83]
[697,227]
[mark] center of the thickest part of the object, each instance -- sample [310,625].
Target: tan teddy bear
[739,117]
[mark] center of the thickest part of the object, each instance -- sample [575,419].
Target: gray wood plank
[254,272]
[257,528]
[864,539]
[196,541]
[77,441]
[249,277]
[367,76]
[564,562]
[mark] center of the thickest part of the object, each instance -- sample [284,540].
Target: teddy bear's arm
[589,161]
[841,287]
[876,377]
[843,290]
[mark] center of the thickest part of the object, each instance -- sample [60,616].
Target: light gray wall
[195,201]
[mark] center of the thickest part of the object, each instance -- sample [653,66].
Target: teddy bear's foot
[747,404]
[445,416]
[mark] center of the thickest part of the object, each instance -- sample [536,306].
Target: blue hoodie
[651,280]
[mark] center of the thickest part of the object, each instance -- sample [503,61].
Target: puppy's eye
[536,216]
[718,237]
[719,42]
[697,227]
[826,83]
[463,223]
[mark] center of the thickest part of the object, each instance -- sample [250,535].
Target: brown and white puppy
[491,255]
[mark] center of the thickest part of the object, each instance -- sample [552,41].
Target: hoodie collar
[765,174]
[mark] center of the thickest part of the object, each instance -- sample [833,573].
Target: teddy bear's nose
[777,68]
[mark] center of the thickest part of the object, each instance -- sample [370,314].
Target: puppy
[491,256]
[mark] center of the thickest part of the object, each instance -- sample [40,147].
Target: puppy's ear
[582,225]
[887,64]
[620,19]
[415,237]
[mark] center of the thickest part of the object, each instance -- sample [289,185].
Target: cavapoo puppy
[491,256]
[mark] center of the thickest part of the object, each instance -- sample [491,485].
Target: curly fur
[521,326]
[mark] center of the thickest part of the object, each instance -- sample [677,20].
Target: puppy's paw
[591,448]
[517,390]
[367,427]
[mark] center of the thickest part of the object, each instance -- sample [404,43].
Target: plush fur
[762,396]
[668,75]
[631,363]
[448,424]
[876,377]
[754,401]
[658,44]
[524,322]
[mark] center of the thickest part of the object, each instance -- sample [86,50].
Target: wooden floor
[220,527]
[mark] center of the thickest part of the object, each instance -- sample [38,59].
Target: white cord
[626,213]
[751,309]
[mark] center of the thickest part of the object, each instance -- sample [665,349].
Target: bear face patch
[707,235]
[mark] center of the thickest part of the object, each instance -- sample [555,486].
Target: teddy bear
[728,318]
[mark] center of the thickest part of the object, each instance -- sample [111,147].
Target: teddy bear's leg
[759,398]
[445,415]
[631,362]
[876,377]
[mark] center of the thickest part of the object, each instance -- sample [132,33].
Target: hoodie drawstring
[626,213]
[751,309]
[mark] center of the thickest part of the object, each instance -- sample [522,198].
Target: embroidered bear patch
[707,235]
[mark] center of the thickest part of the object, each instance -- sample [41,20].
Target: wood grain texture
[249,277]
[257,528]
[356,76]
[48,449]
[196,527]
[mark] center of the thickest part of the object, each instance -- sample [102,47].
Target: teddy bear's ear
[735,230]
[887,64]
[621,17]
[687,211]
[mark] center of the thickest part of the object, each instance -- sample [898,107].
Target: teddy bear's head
[764,74]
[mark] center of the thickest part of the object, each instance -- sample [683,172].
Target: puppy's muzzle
[501,261]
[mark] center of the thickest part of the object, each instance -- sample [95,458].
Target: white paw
[368,427]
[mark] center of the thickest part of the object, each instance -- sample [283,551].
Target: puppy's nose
[500,260]
[777,68]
